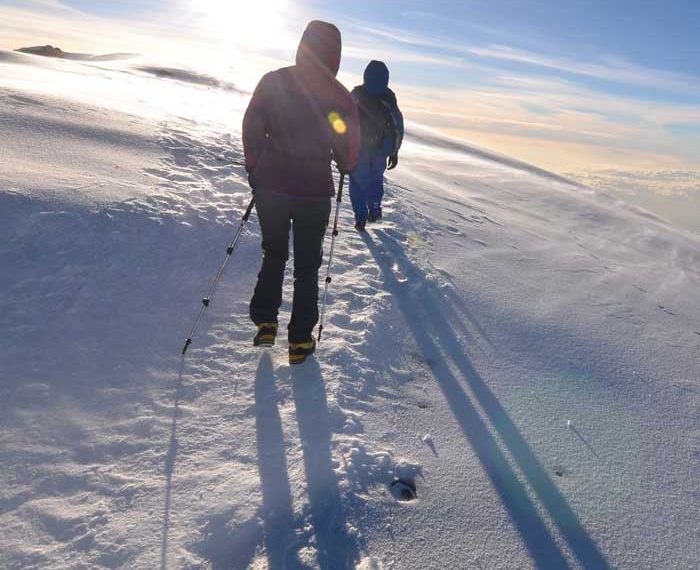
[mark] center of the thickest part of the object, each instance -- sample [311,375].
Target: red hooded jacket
[300,118]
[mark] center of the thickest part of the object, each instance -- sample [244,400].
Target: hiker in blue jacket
[381,131]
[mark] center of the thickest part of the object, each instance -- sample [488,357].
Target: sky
[606,91]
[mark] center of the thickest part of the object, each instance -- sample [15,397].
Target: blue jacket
[376,84]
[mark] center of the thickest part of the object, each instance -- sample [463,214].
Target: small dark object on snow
[403,490]
[559,472]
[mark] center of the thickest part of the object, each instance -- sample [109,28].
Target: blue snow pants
[367,183]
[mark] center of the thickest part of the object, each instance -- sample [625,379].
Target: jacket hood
[320,47]
[376,78]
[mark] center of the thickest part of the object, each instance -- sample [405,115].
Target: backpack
[376,119]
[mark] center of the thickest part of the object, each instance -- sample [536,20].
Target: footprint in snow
[403,490]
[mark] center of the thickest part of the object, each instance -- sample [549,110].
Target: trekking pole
[330,256]
[217,277]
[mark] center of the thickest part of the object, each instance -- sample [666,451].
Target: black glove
[393,161]
[251,180]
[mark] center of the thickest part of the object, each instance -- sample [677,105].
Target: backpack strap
[389,101]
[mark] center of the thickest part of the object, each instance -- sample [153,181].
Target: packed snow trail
[521,350]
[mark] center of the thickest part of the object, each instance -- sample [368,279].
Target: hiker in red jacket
[298,120]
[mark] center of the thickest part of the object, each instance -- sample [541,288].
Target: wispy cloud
[610,69]
[449,53]
[363,52]
[519,124]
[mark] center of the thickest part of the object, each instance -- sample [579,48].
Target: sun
[242,23]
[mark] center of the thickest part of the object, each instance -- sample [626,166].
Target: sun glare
[337,123]
[242,23]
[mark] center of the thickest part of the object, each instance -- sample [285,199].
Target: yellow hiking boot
[298,351]
[266,334]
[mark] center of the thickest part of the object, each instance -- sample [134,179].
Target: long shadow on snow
[337,550]
[236,550]
[277,510]
[94,301]
[424,309]
[170,459]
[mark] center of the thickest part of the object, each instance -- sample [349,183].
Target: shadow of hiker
[170,459]
[423,306]
[277,508]
[337,550]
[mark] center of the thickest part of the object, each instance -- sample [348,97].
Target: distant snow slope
[51,51]
[521,351]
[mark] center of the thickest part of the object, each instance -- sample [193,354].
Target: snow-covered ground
[522,350]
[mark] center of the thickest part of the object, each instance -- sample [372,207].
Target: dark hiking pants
[308,220]
[367,183]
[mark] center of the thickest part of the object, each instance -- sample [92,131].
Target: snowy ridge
[520,350]
[424,136]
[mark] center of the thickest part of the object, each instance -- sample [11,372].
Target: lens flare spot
[337,123]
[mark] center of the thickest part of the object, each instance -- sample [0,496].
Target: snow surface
[521,351]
